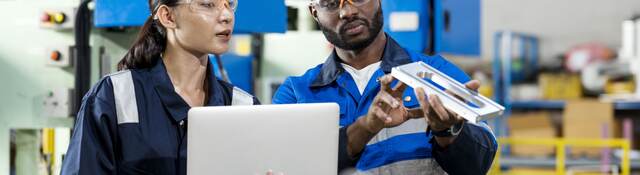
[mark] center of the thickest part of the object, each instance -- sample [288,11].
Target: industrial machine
[253,17]
[435,26]
[82,38]
[242,66]
[426,26]
[602,76]
[88,35]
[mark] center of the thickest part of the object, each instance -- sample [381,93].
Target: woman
[135,121]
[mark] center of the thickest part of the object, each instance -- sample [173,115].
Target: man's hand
[387,110]
[437,116]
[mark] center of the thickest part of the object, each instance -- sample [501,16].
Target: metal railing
[561,149]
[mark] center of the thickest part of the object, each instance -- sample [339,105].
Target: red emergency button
[46,17]
[55,56]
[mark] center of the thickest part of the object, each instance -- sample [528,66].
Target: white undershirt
[362,76]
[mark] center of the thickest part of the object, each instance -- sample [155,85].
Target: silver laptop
[248,140]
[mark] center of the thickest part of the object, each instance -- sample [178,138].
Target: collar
[171,100]
[393,55]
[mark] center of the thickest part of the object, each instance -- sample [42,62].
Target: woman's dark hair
[151,40]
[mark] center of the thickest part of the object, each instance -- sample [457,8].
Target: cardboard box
[588,119]
[560,86]
[531,125]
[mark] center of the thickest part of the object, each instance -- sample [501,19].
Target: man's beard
[339,41]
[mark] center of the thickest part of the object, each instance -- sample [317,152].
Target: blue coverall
[406,149]
[155,143]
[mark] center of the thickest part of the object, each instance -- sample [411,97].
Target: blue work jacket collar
[172,101]
[393,55]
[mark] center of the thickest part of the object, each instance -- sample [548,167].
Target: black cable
[82,54]
[223,72]
[431,35]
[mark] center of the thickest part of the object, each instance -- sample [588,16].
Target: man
[386,130]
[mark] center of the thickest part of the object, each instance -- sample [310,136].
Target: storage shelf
[559,104]
[541,162]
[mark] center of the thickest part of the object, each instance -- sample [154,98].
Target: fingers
[396,91]
[422,100]
[434,111]
[446,116]
[436,104]
[473,85]
[416,113]
[381,115]
[385,82]
[399,88]
[387,100]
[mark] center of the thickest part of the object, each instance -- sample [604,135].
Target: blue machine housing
[261,16]
[455,28]
[413,40]
[120,13]
[252,16]
[458,27]
[239,68]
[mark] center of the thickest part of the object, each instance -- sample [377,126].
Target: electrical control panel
[59,56]
[58,19]
[57,103]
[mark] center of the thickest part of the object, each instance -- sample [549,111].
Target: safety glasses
[211,6]
[333,6]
